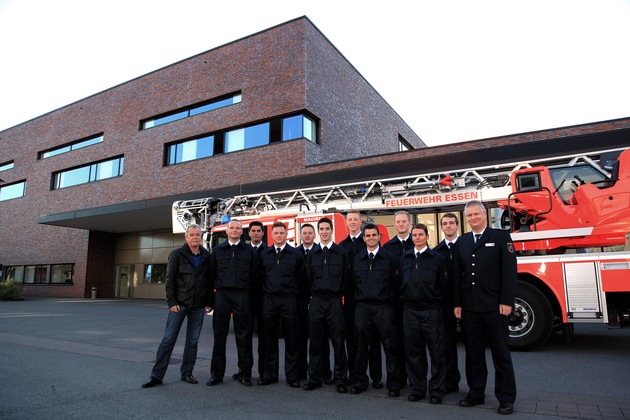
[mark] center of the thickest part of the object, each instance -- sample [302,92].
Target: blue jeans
[171,332]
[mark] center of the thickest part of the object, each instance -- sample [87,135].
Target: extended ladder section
[437,189]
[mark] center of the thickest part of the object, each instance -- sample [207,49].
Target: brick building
[88,188]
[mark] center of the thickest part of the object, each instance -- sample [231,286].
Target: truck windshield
[565,179]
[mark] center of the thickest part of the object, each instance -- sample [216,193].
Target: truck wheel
[530,322]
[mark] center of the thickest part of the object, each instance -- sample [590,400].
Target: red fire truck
[569,216]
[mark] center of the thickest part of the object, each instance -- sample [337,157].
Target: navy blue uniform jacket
[376,282]
[423,280]
[283,275]
[485,272]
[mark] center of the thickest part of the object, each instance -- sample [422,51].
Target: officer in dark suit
[256,234]
[424,275]
[354,244]
[485,279]
[374,272]
[283,279]
[307,245]
[398,245]
[449,223]
[327,274]
[233,267]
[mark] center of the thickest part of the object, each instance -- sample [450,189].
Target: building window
[16,190]
[79,144]
[14,273]
[190,150]
[41,274]
[297,127]
[154,274]
[191,110]
[277,130]
[403,144]
[89,173]
[247,138]
[6,166]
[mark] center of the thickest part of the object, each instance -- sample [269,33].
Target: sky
[454,70]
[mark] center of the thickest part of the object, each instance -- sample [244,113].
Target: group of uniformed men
[360,295]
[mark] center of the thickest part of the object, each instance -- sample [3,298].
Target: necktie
[354,239]
[306,251]
[233,249]
[371,259]
[278,251]
[449,245]
[477,236]
[417,260]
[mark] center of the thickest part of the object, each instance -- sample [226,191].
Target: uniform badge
[510,247]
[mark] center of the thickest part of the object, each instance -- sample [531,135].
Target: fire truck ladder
[368,195]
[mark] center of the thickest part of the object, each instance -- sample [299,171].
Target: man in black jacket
[398,245]
[327,273]
[283,279]
[354,244]
[188,295]
[374,272]
[449,223]
[485,278]
[233,266]
[423,274]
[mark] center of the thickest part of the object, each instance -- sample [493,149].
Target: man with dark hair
[256,235]
[485,285]
[423,274]
[188,295]
[375,285]
[327,274]
[449,223]
[354,244]
[307,245]
[283,279]
[233,267]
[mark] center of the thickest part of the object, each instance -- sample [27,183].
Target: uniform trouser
[228,303]
[258,319]
[491,328]
[376,320]
[424,328]
[326,314]
[281,309]
[174,323]
[376,359]
[401,342]
[303,336]
[450,348]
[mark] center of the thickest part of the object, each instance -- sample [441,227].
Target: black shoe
[153,381]
[414,397]
[342,389]
[294,384]
[377,384]
[393,394]
[451,389]
[436,400]
[471,402]
[329,381]
[236,376]
[310,386]
[245,381]
[356,390]
[506,408]
[189,378]
[266,381]
[213,381]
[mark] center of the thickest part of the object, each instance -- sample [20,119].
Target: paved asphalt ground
[86,359]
